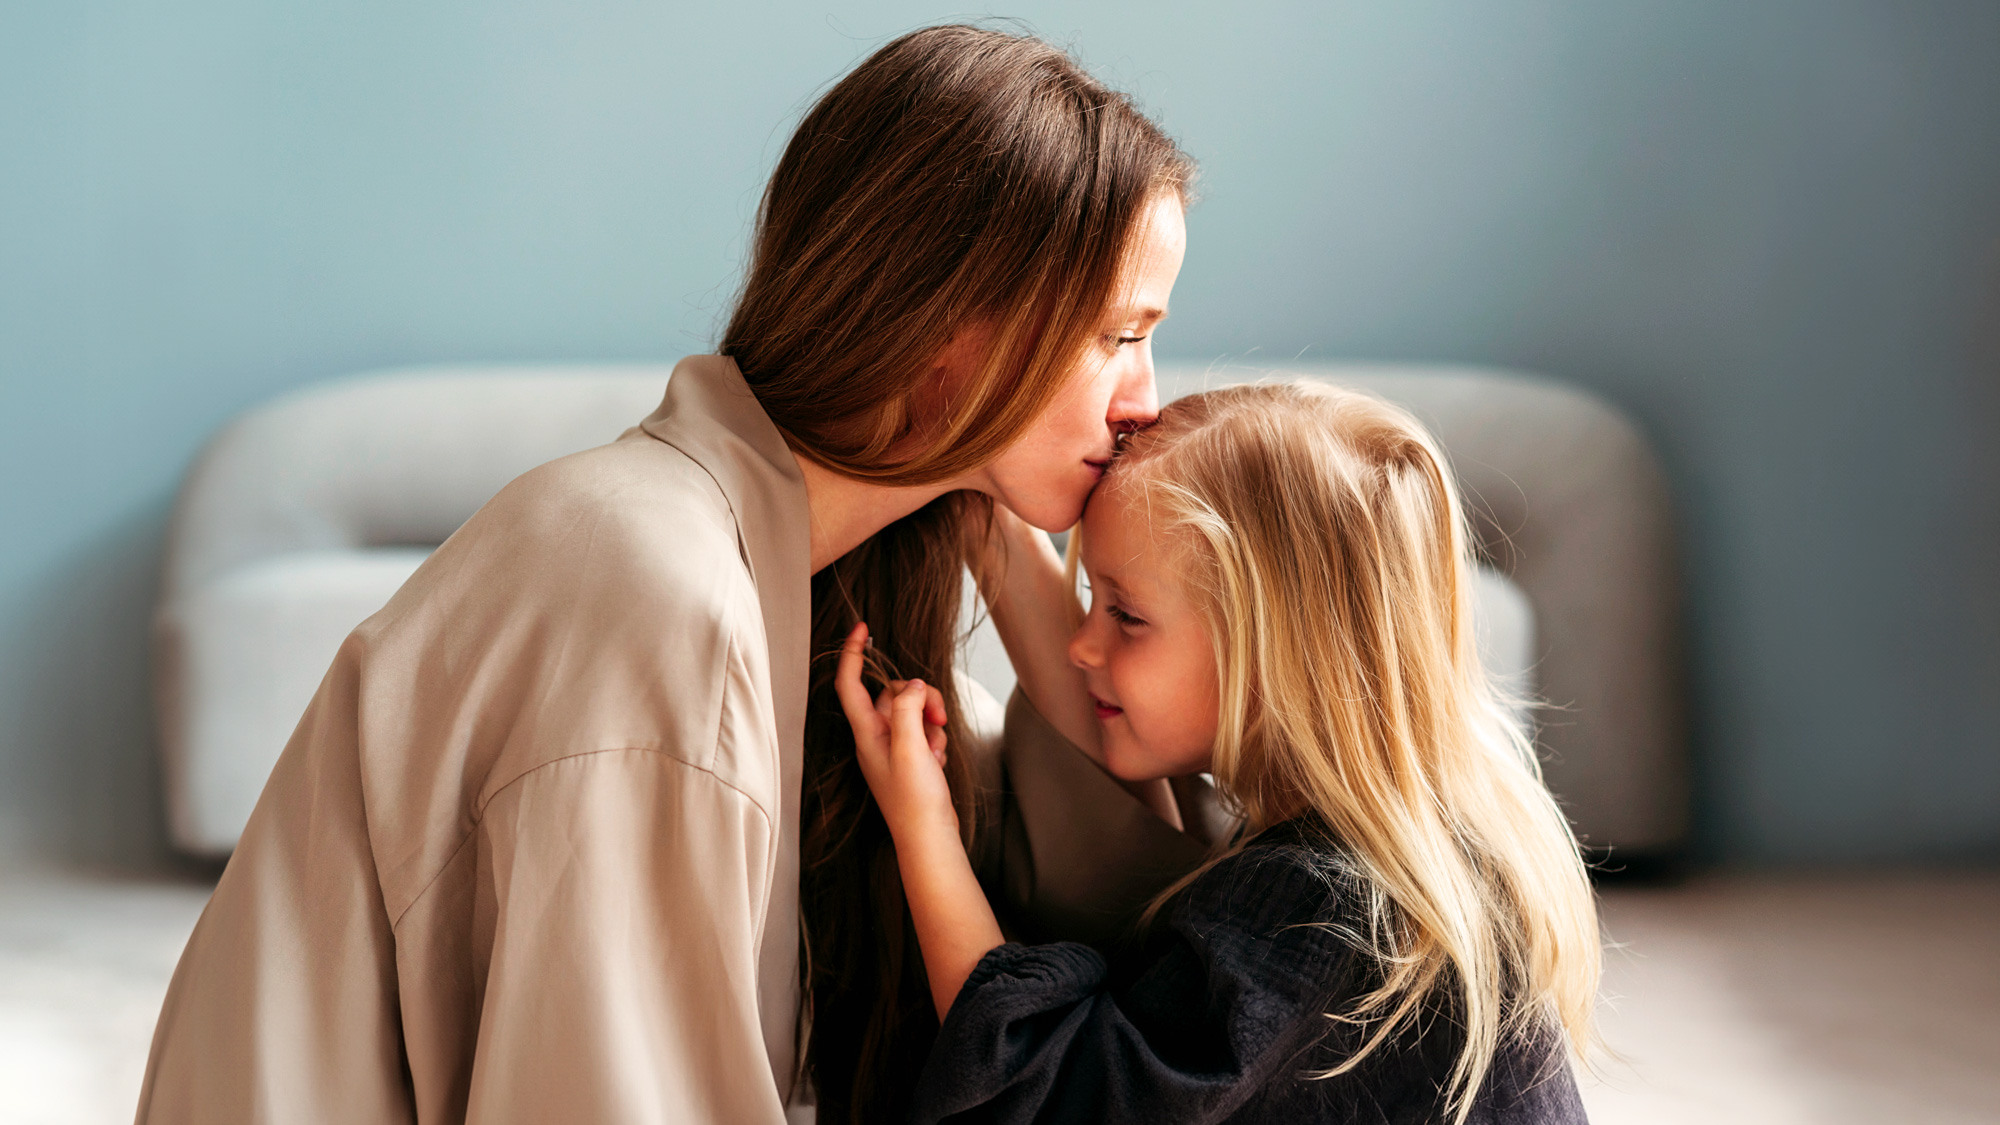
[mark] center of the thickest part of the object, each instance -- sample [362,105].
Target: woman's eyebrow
[1148,314]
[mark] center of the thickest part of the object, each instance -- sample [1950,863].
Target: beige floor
[84,961]
[1776,1000]
[1868,999]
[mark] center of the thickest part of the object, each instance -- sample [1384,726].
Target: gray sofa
[304,515]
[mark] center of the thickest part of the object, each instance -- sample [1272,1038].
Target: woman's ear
[910,423]
[955,367]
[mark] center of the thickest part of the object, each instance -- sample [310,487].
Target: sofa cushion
[241,657]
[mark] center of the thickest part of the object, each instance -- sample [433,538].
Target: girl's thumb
[907,709]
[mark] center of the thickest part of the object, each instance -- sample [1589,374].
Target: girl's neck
[844,511]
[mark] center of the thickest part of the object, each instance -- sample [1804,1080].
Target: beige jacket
[532,853]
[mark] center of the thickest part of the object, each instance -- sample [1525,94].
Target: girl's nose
[1084,651]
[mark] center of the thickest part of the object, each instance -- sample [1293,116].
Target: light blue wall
[1769,230]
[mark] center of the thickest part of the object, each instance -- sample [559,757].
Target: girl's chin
[1133,766]
[1122,767]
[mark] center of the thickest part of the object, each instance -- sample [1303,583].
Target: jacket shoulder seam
[479,815]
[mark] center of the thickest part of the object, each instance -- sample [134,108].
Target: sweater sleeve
[1228,994]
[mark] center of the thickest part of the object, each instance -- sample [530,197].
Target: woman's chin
[1052,505]
[1054,517]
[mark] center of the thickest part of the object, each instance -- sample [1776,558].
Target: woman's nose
[1137,402]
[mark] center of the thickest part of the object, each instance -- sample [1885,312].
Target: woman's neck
[844,511]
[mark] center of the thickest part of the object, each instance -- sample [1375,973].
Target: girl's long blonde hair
[1321,534]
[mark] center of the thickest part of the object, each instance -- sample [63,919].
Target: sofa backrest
[391,458]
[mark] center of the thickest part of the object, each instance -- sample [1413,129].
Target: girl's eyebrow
[1122,593]
[1097,576]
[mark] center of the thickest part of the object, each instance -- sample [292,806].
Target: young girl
[1402,932]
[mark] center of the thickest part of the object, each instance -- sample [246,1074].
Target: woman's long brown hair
[958,179]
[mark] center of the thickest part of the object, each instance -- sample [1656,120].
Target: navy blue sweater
[1217,1015]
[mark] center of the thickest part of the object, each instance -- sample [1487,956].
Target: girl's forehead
[1119,534]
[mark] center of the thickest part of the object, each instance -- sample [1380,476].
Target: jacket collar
[711,415]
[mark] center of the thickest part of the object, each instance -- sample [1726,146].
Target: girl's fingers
[900,702]
[885,703]
[934,718]
[932,702]
[934,712]
[906,718]
[933,706]
[847,681]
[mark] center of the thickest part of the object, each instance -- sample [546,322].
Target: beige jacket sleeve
[621,983]
[589,955]
[1074,856]
[283,1006]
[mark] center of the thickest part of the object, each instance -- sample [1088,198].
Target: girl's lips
[1097,467]
[1105,710]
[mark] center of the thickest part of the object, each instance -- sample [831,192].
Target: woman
[534,851]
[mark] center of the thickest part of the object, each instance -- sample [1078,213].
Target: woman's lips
[1105,710]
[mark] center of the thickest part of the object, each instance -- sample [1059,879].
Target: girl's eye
[1121,617]
[1122,340]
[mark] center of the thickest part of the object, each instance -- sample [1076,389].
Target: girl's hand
[899,739]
